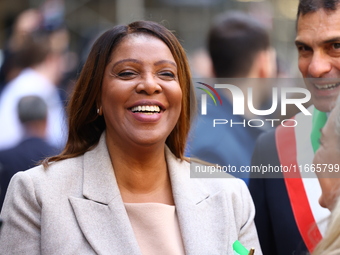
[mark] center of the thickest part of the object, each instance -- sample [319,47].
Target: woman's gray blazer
[75,207]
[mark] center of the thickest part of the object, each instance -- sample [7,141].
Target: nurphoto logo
[204,97]
[239,100]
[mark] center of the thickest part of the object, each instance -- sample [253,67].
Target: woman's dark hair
[85,125]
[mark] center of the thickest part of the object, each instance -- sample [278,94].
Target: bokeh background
[190,19]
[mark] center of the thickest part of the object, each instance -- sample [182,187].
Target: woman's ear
[98,103]
[100,111]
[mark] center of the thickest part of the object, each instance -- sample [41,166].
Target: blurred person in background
[48,17]
[327,158]
[289,218]
[32,112]
[45,53]
[330,244]
[27,22]
[239,47]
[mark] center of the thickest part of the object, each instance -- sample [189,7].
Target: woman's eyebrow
[127,60]
[165,61]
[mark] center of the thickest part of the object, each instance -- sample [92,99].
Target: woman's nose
[148,85]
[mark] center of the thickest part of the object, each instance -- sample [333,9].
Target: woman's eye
[167,75]
[127,75]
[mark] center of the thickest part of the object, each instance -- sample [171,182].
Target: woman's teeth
[146,109]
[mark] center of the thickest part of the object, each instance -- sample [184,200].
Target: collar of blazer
[104,222]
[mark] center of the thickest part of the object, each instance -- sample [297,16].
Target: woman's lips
[148,111]
[146,115]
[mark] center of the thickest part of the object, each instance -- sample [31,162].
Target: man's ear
[212,71]
[264,65]
[269,64]
[201,64]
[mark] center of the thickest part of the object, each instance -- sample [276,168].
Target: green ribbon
[319,120]
[239,249]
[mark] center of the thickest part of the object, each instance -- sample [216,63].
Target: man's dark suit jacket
[23,156]
[274,219]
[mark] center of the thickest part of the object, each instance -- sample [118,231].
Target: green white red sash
[303,193]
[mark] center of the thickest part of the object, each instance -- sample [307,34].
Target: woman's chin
[150,142]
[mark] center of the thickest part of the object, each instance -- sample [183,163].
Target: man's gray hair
[32,108]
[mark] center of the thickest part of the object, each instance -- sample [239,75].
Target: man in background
[32,112]
[239,47]
[288,215]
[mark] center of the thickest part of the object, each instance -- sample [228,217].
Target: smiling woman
[141,75]
[122,184]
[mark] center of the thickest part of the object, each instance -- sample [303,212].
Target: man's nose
[320,65]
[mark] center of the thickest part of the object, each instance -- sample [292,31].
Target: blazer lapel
[102,217]
[196,207]
[101,214]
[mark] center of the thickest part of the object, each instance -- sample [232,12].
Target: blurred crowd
[36,76]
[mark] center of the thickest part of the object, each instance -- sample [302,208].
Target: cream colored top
[156,228]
